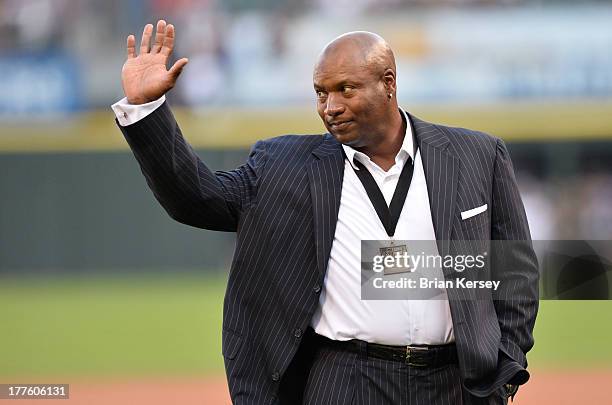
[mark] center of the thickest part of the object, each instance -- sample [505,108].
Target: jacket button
[275,376]
[316,289]
[297,332]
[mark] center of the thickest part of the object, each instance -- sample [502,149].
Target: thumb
[177,68]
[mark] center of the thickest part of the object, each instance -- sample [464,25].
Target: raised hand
[145,77]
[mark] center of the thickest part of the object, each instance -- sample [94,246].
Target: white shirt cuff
[128,114]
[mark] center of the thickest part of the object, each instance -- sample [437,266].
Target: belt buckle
[411,351]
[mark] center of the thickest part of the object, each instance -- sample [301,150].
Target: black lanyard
[388,215]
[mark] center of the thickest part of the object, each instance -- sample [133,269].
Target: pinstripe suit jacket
[283,203]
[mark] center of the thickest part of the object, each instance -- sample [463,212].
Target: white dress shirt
[128,114]
[342,314]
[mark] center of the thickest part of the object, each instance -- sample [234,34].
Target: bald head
[361,48]
[354,80]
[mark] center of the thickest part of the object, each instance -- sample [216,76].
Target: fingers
[131,46]
[177,68]
[168,44]
[159,36]
[146,38]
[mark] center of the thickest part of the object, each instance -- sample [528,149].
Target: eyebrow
[340,84]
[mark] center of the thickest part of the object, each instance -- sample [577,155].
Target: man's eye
[320,94]
[347,89]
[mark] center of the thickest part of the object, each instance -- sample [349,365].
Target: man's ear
[389,81]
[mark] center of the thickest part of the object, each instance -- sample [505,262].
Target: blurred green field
[171,325]
[115,325]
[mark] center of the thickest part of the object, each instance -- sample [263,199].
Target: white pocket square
[474,211]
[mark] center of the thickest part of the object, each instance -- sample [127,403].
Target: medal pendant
[394,251]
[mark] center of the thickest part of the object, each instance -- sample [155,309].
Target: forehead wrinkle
[337,75]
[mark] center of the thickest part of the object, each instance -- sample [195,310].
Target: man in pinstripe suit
[295,329]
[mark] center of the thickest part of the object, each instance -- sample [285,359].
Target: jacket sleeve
[514,262]
[187,189]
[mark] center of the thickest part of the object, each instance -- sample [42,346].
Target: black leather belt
[416,356]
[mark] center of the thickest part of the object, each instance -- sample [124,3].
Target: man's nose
[333,107]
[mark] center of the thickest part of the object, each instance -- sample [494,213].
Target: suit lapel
[326,174]
[441,170]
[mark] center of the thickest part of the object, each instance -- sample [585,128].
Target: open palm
[145,77]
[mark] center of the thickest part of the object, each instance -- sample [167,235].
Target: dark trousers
[328,376]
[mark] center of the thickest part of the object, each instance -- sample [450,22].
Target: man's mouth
[339,125]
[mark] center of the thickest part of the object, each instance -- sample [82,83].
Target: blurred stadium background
[97,284]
